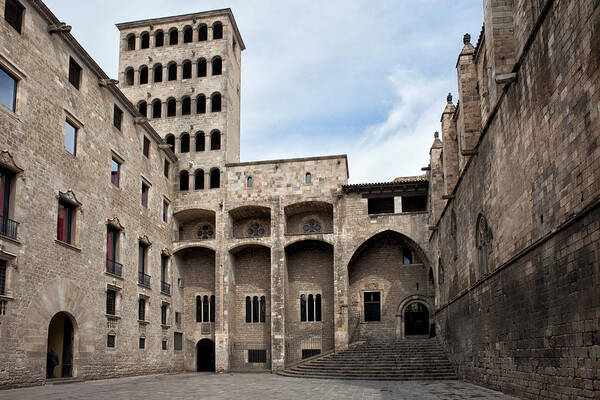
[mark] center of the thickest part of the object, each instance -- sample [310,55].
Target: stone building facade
[135,241]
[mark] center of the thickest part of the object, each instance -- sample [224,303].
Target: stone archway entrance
[416,319]
[205,358]
[61,335]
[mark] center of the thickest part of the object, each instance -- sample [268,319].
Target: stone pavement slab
[251,386]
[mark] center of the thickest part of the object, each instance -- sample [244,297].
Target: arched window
[186,70]
[159,39]
[248,309]
[255,309]
[186,106]
[217,30]
[318,316]
[202,33]
[215,178]
[145,40]
[187,34]
[201,68]
[143,108]
[173,36]
[199,179]
[184,181]
[200,141]
[263,308]
[215,140]
[129,74]
[171,107]
[143,75]
[170,139]
[217,66]
[212,308]
[158,69]
[131,42]
[172,71]
[302,308]
[185,143]
[215,102]
[201,104]
[198,309]
[308,177]
[156,108]
[311,308]
[205,315]
[483,240]
[249,181]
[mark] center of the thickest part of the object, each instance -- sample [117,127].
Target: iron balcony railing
[165,287]
[8,227]
[143,279]
[113,267]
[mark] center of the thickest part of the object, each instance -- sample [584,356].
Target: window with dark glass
[201,68]
[145,41]
[66,222]
[184,181]
[143,75]
[172,72]
[217,66]
[146,147]
[177,341]
[145,192]
[311,308]
[2,277]
[381,205]
[217,30]
[70,138]
[141,309]
[215,178]
[171,108]
[13,14]
[187,34]
[199,179]
[186,72]
[8,227]
[143,276]
[303,308]
[164,345]
[166,168]
[164,268]
[74,73]
[131,42]
[110,341]
[112,246]
[198,308]
[205,314]
[129,76]
[185,143]
[177,317]
[372,306]
[173,37]
[407,257]
[255,309]
[142,343]
[318,308]
[414,203]
[248,309]
[143,108]
[117,117]
[263,309]
[158,73]
[163,314]
[201,104]
[165,211]
[156,109]
[257,356]
[159,39]
[8,89]
[215,102]
[111,297]
[170,139]
[186,106]
[215,140]
[202,33]
[200,141]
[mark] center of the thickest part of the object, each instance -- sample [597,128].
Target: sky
[366,78]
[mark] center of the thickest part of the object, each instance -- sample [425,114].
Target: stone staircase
[414,359]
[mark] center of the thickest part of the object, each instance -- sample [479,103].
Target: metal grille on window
[257,356]
[256,230]
[312,226]
[206,232]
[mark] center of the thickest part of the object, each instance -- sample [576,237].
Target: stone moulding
[69,197]
[7,161]
[166,252]
[115,223]
[144,239]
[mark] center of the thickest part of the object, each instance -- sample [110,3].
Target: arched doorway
[205,355]
[416,319]
[61,334]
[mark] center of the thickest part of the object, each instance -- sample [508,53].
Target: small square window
[117,117]
[13,14]
[115,172]
[142,343]
[145,192]
[8,89]
[165,214]
[110,341]
[164,344]
[74,73]
[146,148]
[70,138]
[166,168]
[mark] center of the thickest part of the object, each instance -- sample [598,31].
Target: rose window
[206,232]
[312,226]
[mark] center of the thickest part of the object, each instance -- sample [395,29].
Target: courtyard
[250,386]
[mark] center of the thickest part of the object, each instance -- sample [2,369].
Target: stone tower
[183,74]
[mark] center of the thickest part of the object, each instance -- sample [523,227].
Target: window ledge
[165,326]
[144,286]
[371,322]
[113,275]
[12,114]
[9,239]
[113,316]
[144,322]
[5,297]
[67,245]
[165,294]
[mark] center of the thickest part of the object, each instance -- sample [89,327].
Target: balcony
[8,227]
[143,279]
[165,288]
[113,267]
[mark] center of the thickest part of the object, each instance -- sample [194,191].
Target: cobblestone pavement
[251,386]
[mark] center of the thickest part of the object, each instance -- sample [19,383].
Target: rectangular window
[74,73]
[144,278]
[198,308]
[111,297]
[142,309]
[146,147]
[142,344]
[303,308]
[112,246]
[414,203]
[115,172]
[165,213]
[8,227]
[2,277]
[163,314]
[178,341]
[8,89]
[177,317]
[306,353]
[164,344]
[70,138]
[13,14]
[166,169]
[145,191]
[110,341]
[257,356]
[117,117]
[66,222]
[382,205]
[372,306]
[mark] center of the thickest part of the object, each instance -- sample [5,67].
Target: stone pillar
[470,107]
[436,179]
[450,147]
[208,104]
[194,67]
[138,42]
[277,289]
[208,67]
[223,293]
[340,279]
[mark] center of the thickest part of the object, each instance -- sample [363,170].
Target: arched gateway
[61,335]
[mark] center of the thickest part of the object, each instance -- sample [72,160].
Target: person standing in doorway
[51,362]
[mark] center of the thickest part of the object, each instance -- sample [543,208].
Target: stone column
[277,289]
[340,279]
[223,293]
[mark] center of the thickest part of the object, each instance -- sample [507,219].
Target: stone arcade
[133,240]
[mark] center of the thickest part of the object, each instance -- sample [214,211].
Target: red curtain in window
[141,259]
[61,233]
[109,246]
